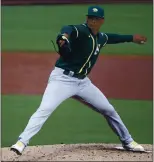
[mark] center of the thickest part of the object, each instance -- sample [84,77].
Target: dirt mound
[76,152]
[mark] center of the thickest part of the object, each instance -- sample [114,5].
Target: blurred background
[28,26]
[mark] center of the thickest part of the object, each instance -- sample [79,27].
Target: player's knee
[109,111]
[46,108]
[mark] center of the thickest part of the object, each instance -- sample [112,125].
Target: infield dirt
[123,77]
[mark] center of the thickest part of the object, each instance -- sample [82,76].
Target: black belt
[72,74]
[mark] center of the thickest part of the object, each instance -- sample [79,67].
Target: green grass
[30,28]
[73,122]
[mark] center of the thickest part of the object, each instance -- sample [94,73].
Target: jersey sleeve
[117,38]
[71,30]
[109,38]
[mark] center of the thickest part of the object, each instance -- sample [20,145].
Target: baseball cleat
[18,148]
[134,146]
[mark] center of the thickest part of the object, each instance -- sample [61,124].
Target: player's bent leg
[51,100]
[94,98]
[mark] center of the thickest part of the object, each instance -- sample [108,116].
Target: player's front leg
[94,98]
[55,93]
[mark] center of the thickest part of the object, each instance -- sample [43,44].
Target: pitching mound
[76,152]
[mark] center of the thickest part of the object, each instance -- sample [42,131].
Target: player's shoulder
[103,35]
[80,27]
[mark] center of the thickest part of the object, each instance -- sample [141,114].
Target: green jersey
[85,48]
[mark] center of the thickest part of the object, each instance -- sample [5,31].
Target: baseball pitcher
[79,47]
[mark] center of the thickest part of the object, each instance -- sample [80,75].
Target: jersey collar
[86,25]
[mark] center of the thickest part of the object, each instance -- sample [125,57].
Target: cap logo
[95,10]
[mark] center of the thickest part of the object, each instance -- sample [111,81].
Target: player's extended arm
[117,38]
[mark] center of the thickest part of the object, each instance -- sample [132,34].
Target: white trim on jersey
[77,32]
[84,25]
[106,38]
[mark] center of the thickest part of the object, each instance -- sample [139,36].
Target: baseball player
[79,47]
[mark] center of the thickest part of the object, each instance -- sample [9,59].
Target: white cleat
[18,148]
[134,146]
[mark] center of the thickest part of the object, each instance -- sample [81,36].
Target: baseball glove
[63,45]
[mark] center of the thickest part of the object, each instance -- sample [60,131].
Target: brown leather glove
[139,39]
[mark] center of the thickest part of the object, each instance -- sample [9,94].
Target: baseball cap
[96,11]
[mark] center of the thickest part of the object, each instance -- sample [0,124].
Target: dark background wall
[18,2]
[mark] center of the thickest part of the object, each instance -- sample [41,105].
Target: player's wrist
[62,37]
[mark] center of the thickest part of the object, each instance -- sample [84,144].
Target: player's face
[99,22]
[95,22]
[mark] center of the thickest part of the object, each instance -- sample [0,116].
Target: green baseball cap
[96,11]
